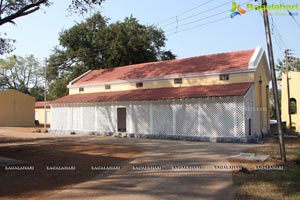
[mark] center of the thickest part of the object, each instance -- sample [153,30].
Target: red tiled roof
[237,89]
[237,60]
[40,104]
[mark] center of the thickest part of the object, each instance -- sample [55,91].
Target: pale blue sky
[37,34]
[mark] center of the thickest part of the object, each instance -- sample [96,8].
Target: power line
[214,21]
[192,22]
[292,16]
[276,35]
[185,12]
[197,26]
[201,19]
[200,13]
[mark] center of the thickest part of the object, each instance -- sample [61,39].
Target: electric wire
[292,16]
[200,13]
[198,20]
[211,22]
[276,35]
[185,12]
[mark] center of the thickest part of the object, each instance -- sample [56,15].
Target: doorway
[121,117]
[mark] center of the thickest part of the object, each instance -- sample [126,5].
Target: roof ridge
[174,60]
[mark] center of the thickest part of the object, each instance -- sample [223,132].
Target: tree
[272,110]
[12,9]
[22,74]
[6,44]
[96,44]
[294,64]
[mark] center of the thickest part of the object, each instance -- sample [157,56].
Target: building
[40,112]
[218,97]
[294,82]
[16,109]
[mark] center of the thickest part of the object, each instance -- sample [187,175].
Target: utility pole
[286,55]
[45,97]
[274,84]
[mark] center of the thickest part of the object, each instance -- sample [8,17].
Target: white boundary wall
[211,119]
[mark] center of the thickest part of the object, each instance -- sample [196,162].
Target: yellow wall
[40,115]
[16,109]
[294,93]
[261,91]
[208,80]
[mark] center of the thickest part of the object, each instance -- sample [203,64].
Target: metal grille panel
[211,117]
[105,119]
[141,119]
[58,121]
[162,118]
[220,117]
[88,115]
[187,119]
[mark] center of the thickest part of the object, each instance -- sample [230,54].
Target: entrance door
[121,117]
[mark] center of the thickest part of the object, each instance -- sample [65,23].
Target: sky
[192,27]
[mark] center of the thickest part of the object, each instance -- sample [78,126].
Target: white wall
[206,117]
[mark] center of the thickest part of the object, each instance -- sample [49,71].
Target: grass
[269,185]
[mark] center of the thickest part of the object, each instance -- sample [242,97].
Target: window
[140,84]
[81,89]
[178,81]
[224,77]
[293,106]
[107,87]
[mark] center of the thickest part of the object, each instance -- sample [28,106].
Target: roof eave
[79,77]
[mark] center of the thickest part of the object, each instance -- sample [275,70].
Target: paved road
[167,183]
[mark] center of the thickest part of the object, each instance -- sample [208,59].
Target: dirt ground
[39,183]
[274,184]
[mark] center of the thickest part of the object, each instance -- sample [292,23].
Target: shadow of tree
[41,181]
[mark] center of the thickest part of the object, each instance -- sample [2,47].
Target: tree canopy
[97,44]
[12,9]
[23,74]
[294,64]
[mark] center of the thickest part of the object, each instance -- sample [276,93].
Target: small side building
[40,112]
[294,81]
[16,109]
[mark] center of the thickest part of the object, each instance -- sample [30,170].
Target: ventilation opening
[224,77]
[178,81]
[139,85]
[107,87]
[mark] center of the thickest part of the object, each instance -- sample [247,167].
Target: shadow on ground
[40,181]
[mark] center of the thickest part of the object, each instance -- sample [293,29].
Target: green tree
[272,109]
[96,44]
[22,74]
[294,65]
[37,92]
[12,9]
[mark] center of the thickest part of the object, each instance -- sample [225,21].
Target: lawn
[274,184]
